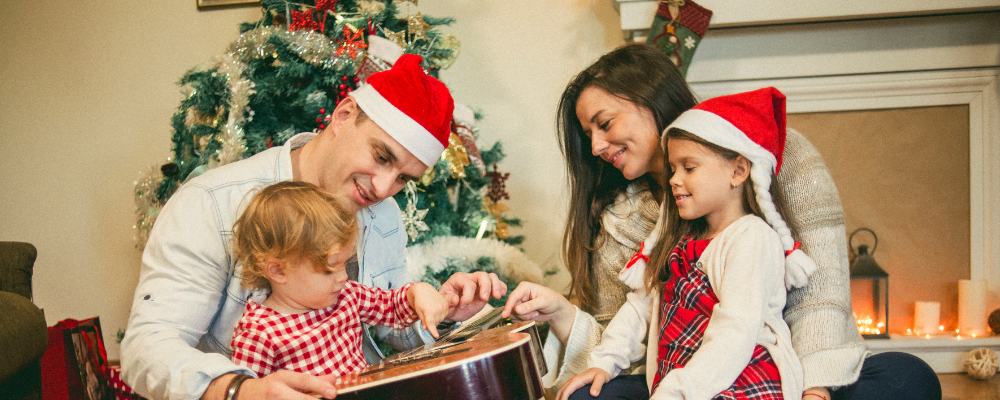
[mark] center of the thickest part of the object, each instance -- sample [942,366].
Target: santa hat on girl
[753,125]
[411,106]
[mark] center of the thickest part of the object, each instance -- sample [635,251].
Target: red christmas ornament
[325,7]
[353,41]
[303,20]
[269,143]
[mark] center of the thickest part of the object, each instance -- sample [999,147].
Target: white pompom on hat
[753,125]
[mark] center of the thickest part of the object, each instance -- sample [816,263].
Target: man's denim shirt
[189,296]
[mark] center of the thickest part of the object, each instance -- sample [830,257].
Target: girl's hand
[534,302]
[816,393]
[596,377]
[431,306]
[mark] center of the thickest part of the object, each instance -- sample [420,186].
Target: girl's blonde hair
[290,221]
[675,227]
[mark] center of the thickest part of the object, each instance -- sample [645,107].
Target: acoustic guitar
[490,358]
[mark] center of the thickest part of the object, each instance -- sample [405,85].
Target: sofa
[23,332]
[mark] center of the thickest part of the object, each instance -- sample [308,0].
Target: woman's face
[621,133]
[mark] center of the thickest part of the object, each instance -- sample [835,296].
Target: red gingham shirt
[318,342]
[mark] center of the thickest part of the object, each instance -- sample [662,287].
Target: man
[188,299]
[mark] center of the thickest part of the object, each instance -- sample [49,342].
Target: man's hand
[281,385]
[468,293]
[431,307]
[596,377]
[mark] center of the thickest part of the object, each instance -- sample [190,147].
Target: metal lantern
[869,289]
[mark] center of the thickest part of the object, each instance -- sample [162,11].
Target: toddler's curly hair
[289,221]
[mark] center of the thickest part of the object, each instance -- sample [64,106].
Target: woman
[610,119]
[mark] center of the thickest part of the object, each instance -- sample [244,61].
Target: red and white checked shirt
[318,342]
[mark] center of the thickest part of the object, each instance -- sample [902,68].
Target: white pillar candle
[926,316]
[972,307]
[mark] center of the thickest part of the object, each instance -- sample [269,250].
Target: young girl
[713,303]
[295,241]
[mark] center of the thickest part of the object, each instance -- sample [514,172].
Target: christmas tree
[286,73]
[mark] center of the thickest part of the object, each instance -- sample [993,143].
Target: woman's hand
[596,377]
[531,301]
[431,306]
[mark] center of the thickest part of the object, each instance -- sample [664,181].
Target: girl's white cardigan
[745,267]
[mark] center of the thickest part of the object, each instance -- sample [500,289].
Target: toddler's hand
[595,375]
[431,306]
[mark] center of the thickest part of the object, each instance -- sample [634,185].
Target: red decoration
[638,256]
[353,41]
[303,20]
[325,7]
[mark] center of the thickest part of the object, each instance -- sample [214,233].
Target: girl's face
[621,133]
[702,181]
[312,287]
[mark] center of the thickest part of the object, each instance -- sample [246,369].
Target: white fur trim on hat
[719,131]
[413,136]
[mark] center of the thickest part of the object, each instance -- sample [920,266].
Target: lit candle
[926,316]
[971,305]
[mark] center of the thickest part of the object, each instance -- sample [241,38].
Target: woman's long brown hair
[643,75]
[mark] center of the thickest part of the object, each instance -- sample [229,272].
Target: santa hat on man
[753,125]
[411,106]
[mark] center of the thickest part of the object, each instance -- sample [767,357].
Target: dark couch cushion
[17,261]
[22,331]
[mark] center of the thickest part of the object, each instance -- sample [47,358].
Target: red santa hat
[411,106]
[753,125]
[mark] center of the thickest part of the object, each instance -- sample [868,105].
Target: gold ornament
[195,117]
[427,177]
[496,209]
[417,27]
[396,37]
[201,142]
[456,156]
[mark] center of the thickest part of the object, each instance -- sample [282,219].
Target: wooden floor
[961,386]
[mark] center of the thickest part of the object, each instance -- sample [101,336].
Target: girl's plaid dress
[685,309]
[318,342]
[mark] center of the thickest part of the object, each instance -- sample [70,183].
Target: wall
[87,89]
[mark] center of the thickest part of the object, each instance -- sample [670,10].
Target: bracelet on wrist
[233,389]
[816,395]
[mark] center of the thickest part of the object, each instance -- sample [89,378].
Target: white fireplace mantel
[637,15]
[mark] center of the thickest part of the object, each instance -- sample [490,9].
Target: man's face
[361,162]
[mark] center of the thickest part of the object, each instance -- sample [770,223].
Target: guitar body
[497,363]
